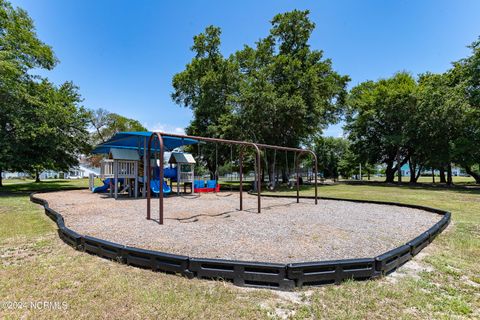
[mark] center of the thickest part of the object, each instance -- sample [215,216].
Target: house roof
[137,140]
[180,157]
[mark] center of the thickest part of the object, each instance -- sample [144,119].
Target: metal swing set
[256,147]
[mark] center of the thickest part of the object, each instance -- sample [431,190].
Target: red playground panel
[203,190]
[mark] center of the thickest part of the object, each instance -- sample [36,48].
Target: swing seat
[197,184]
[211,186]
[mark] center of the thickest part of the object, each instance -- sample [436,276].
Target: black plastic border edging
[256,274]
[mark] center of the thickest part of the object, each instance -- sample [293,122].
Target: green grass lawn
[425,179]
[442,282]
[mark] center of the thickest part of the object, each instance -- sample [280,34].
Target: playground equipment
[131,169]
[104,188]
[202,186]
[135,145]
[121,164]
[210,186]
[155,187]
[107,183]
[185,164]
[158,138]
[120,169]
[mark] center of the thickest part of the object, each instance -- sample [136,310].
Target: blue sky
[123,54]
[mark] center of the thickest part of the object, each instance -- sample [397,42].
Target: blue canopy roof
[137,140]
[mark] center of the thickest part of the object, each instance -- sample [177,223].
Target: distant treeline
[283,92]
[279,91]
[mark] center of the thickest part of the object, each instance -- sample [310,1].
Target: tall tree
[440,117]
[380,119]
[449,115]
[288,92]
[464,79]
[334,156]
[279,92]
[53,130]
[20,52]
[205,87]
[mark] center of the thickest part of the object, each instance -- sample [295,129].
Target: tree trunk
[1,178]
[476,176]
[399,167]
[413,172]
[37,176]
[285,176]
[449,175]
[211,169]
[433,175]
[420,168]
[390,174]
[442,175]
[272,175]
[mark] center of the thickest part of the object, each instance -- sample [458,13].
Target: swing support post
[149,174]
[297,176]
[240,164]
[298,152]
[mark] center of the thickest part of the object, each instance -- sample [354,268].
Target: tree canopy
[105,124]
[281,91]
[380,121]
[278,92]
[335,157]
[42,125]
[432,121]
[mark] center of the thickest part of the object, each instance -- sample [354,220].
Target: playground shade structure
[137,141]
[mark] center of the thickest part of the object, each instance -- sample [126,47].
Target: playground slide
[168,173]
[155,187]
[104,188]
[106,185]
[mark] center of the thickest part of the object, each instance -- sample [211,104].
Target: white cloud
[335,130]
[165,128]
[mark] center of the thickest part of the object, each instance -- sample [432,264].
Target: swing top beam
[256,147]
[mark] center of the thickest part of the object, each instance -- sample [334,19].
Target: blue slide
[106,185]
[155,187]
[104,188]
[168,173]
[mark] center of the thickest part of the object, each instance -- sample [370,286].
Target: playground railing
[106,168]
[91,181]
[126,168]
[186,176]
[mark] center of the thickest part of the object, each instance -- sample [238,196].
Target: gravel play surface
[211,226]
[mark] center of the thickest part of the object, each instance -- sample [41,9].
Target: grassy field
[443,282]
[424,179]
